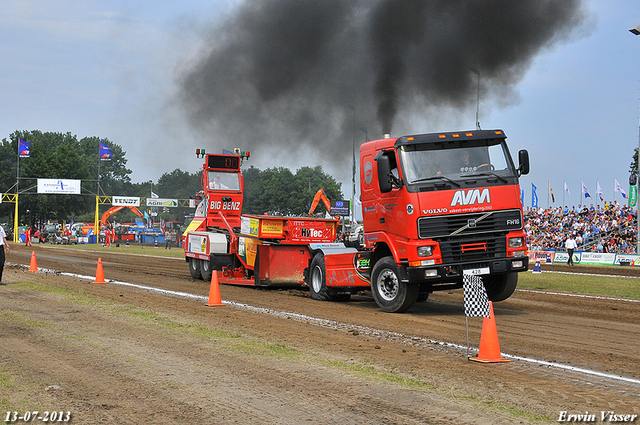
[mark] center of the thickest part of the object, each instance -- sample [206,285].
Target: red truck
[435,207]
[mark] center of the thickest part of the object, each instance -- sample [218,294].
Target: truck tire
[500,287]
[318,282]
[422,297]
[389,291]
[206,270]
[317,279]
[194,268]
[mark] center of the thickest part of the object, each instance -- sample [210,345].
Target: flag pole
[15,214]
[18,170]
[98,193]
[548,186]
[466,319]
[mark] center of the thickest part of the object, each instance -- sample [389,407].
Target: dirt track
[123,355]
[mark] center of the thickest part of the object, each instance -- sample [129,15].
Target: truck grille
[487,247]
[472,237]
[461,225]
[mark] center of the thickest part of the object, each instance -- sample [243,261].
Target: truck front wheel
[194,268]
[500,287]
[389,291]
[318,282]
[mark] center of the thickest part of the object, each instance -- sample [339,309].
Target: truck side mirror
[523,159]
[384,169]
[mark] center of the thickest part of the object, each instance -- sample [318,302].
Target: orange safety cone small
[33,267]
[99,273]
[214,291]
[489,346]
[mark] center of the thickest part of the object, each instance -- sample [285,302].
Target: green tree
[113,174]
[252,190]
[59,156]
[178,184]
[278,191]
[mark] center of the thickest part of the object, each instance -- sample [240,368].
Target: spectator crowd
[608,228]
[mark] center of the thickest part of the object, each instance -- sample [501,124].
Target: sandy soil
[111,353]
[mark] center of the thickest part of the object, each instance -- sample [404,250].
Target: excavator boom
[319,196]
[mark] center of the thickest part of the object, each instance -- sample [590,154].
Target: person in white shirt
[215,184]
[571,245]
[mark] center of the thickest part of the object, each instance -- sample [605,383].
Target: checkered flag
[476,302]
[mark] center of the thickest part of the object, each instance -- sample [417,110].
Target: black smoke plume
[289,73]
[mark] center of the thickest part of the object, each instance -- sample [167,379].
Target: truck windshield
[431,162]
[219,180]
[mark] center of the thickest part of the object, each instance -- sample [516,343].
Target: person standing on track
[571,245]
[3,244]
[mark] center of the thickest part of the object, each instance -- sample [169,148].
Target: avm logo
[471,196]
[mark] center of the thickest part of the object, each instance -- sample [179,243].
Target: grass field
[581,284]
[134,248]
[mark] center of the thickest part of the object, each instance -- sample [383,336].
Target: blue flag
[522,196]
[534,196]
[105,152]
[24,148]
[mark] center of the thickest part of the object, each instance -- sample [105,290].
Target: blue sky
[108,69]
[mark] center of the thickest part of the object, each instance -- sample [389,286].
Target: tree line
[63,156]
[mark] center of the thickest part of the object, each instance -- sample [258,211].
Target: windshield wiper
[490,173]
[437,178]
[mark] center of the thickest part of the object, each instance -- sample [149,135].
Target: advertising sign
[198,243]
[597,258]
[342,207]
[125,201]
[162,202]
[271,228]
[633,195]
[563,257]
[59,186]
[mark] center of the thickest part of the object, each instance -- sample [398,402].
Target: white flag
[620,189]
[599,190]
[585,191]
[567,188]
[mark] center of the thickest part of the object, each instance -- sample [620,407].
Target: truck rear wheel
[500,287]
[390,292]
[194,268]
[205,270]
[318,282]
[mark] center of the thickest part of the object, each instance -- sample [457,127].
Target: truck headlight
[516,242]
[425,251]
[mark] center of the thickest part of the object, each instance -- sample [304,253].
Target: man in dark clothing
[3,244]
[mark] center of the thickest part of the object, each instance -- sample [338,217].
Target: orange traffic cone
[33,267]
[100,273]
[489,346]
[214,291]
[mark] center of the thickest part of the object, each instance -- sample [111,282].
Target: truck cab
[438,206]
[207,240]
